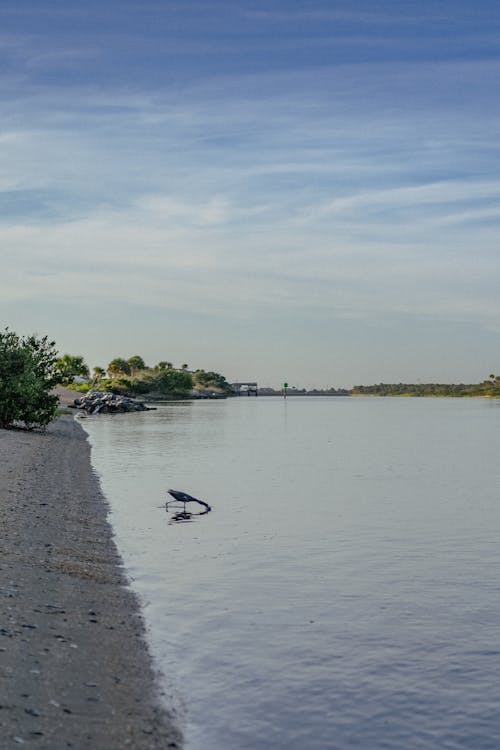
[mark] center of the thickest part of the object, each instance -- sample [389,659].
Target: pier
[251,389]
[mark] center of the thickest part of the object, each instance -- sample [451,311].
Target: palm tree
[118,366]
[98,373]
[69,366]
[136,363]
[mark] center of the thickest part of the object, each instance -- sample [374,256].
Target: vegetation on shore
[489,387]
[132,377]
[294,391]
[27,376]
[30,368]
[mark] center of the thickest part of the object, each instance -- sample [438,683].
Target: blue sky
[300,191]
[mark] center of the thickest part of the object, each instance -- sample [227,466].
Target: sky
[276,190]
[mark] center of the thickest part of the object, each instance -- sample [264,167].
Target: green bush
[140,386]
[27,376]
[80,387]
[212,380]
[172,383]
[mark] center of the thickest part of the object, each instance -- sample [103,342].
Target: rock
[99,402]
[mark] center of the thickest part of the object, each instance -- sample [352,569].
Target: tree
[27,375]
[211,380]
[97,374]
[70,366]
[163,365]
[118,366]
[136,363]
[173,383]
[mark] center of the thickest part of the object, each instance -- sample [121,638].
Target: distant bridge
[250,389]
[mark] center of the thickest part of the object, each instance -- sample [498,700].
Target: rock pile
[99,402]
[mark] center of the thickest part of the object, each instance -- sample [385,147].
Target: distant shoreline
[424,390]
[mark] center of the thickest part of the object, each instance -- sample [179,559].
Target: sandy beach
[75,668]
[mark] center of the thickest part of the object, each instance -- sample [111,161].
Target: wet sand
[75,671]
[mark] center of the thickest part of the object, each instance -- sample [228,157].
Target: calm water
[345,591]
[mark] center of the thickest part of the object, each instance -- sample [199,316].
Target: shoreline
[75,668]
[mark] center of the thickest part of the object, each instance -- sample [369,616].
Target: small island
[133,378]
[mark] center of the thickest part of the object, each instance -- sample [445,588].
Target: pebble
[31,711]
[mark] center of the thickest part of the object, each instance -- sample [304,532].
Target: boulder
[101,402]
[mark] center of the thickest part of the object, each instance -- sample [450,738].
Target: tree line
[30,368]
[134,377]
[489,387]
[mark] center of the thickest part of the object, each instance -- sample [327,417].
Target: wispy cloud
[312,191]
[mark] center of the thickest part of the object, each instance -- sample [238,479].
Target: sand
[75,671]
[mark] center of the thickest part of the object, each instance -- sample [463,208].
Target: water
[344,592]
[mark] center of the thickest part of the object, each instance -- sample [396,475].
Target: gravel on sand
[75,671]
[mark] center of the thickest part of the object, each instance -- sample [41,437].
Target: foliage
[172,383]
[132,377]
[164,384]
[140,385]
[118,366]
[211,380]
[70,366]
[105,384]
[486,388]
[327,392]
[80,387]
[136,363]
[27,375]
[98,373]
[121,385]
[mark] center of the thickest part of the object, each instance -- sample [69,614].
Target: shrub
[211,380]
[80,387]
[27,376]
[173,383]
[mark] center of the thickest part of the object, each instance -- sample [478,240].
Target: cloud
[166,209]
[432,194]
[420,213]
[171,254]
[290,197]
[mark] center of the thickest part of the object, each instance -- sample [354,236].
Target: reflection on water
[343,592]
